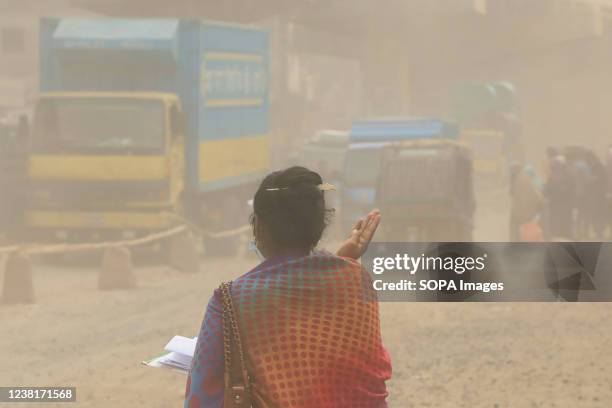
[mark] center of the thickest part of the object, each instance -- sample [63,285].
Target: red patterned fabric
[311,331]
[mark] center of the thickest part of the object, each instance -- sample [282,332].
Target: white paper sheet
[181,350]
[182,345]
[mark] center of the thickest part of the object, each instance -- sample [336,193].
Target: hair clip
[326,187]
[322,187]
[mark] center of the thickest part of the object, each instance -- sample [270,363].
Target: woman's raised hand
[361,235]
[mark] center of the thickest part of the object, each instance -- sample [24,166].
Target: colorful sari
[311,331]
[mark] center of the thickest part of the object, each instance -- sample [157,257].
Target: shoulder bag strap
[236,377]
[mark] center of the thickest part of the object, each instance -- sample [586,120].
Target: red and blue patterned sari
[311,331]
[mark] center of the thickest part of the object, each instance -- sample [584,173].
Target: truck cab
[104,161]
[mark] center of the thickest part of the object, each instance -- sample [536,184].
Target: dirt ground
[444,355]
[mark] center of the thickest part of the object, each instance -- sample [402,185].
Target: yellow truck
[140,121]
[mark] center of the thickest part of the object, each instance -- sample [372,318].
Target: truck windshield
[419,174]
[362,166]
[99,124]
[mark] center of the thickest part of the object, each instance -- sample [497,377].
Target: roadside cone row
[116,272]
[18,284]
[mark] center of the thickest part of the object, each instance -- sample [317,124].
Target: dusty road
[444,355]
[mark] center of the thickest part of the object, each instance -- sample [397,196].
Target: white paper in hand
[181,350]
[182,345]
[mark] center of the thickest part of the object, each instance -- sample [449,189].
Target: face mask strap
[253,247]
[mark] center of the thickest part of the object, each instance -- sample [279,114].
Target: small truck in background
[425,191]
[139,121]
[365,159]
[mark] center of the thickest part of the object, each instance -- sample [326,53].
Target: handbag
[239,392]
[236,377]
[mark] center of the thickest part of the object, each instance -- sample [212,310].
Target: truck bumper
[92,226]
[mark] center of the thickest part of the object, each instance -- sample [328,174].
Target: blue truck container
[211,81]
[363,162]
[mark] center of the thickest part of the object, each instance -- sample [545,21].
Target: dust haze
[133,135]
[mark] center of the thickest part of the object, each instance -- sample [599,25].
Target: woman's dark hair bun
[291,206]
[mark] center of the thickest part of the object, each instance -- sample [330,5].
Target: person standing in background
[559,193]
[595,199]
[526,200]
[551,153]
[581,175]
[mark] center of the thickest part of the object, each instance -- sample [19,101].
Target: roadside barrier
[199,231]
[116,270]
[18,286]
[37,249]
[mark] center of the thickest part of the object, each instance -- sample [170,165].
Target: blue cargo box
[395,129]
[219,71]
